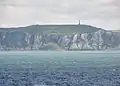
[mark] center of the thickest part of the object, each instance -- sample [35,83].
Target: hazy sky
[100,13]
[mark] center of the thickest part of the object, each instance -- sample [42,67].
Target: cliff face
[18,40]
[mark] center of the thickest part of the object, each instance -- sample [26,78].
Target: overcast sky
[99,13]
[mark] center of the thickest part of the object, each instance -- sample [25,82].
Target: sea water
[60,68]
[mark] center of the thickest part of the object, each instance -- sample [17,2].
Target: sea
[60,68]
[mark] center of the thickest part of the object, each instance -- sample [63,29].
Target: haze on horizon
[99,13]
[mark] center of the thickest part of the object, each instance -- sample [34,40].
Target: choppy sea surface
[60,68]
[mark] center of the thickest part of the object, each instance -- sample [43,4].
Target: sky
[99,13]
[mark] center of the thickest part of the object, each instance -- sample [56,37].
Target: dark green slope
[60,29]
